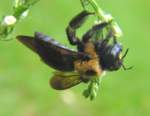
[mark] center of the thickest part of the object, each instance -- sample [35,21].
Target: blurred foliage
[24,88]
[8,22]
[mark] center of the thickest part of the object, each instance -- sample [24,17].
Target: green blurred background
[24,87]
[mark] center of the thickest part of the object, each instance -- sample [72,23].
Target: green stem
[18,12]
[97,9]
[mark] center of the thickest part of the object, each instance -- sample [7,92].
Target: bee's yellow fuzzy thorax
[83,66]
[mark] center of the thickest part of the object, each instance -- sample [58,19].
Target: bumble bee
[92,57]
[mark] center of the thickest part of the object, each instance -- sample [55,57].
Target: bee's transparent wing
[61,80]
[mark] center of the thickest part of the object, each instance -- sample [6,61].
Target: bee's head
[111,57]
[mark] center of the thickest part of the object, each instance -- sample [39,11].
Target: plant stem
[97,9]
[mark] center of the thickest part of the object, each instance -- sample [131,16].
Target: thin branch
[8,22]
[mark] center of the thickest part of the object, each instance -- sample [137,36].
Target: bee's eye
[115,51]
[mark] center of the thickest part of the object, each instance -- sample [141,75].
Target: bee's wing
[51,52]
[27,41]
[61,81]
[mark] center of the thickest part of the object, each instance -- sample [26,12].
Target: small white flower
[9,20]
[108,17]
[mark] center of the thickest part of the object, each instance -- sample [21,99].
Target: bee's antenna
[129,68]
[127,50]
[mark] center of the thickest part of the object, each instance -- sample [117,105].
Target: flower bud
[9,21]
[108,17]
[116,30]
[25,14]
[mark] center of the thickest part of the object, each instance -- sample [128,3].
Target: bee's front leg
[93,31]
[74,24]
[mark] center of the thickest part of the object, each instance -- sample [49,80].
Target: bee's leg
[108,37]
[93,31]
[74,24]
[103,43]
